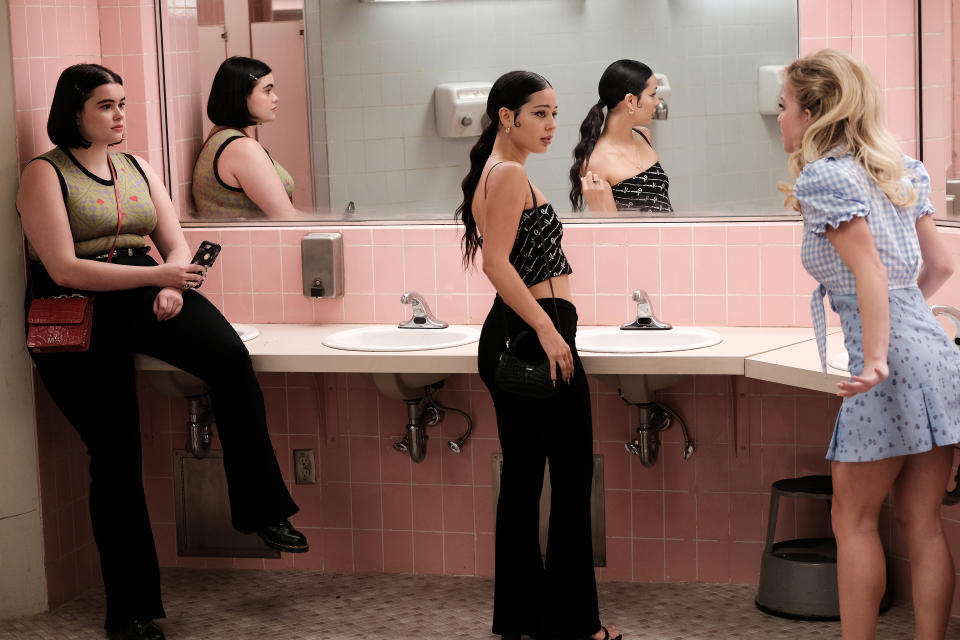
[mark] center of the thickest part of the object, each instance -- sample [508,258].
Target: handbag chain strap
[116,236]
[543,247]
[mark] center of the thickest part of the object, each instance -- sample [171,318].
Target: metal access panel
[598,521]
[203,511]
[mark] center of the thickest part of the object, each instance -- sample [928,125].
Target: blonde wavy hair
[844,102]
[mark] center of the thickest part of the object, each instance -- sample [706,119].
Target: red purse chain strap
[116,236]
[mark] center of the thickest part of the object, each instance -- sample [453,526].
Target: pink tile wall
[45,38]
[706,274]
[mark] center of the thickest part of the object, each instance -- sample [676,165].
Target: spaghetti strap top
[649,190]
[526,256]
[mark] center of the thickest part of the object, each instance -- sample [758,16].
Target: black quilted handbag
[522,377]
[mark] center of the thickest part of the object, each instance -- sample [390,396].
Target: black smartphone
[207,254]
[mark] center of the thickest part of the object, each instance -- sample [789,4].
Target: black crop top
[533,260]
[649,190]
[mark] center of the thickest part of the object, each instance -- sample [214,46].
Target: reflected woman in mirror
[615,165]
[87,214]
[515,228]
[235,177]
[870,241]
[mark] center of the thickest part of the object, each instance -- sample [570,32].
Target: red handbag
[60,324]
[65,322]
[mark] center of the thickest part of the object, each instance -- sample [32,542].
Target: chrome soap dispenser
[321,258]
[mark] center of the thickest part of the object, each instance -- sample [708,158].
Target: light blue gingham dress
[917,407]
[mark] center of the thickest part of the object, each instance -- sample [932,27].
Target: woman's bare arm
[937,261]
[45,223]
[854,243]
[507,189]
[248,163]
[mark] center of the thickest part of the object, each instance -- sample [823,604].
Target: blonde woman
[869,240]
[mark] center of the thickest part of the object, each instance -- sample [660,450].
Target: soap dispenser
[321,259]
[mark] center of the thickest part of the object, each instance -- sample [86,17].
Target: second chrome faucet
[422,318]
[645,317]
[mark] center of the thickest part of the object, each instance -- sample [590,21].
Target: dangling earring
[508,129]
[631,111]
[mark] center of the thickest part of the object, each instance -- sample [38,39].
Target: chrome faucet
[645,317]
[421,318]
[951,312]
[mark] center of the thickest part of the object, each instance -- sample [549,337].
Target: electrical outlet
[305,471]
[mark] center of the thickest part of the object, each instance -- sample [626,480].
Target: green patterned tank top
[214,199]
[92,204]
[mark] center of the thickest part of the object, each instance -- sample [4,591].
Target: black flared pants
[556,598]
[96,391]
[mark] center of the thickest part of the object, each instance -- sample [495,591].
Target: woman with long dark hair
[519,235]
[870,241]
[615,166]
[74,201]
[234,176]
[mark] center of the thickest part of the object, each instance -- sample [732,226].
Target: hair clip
[253,77]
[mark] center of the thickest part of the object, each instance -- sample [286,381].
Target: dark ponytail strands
[478,159]
[589,134]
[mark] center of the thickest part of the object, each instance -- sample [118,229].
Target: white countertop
[744,350]
[798,365]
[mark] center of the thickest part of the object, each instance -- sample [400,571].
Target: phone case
[206,254]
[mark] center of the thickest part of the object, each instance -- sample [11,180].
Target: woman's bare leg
[859,489]
[917,495]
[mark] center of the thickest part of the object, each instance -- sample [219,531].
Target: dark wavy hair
[232,85]
[511,90]
[74,87]
[619,79]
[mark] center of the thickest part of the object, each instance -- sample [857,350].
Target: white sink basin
[393,338]
[245,331]
[616,340]
[840,360]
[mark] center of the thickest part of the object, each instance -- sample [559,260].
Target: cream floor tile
[206,604]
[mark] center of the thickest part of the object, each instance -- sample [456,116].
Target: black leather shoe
[137,630]
[284,537]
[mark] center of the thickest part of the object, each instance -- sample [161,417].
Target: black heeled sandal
[606,635]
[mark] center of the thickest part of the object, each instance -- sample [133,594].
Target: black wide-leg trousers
[558,598]
[96,391]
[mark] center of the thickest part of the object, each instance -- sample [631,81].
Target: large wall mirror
[356,80]
[940,104]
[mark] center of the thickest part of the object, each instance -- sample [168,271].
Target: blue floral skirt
[917,407]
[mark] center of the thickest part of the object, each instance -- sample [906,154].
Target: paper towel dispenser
[461,108]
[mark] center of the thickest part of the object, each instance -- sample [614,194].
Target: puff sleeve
[830,193]
[916,174]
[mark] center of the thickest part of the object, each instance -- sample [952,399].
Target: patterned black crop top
[534,260]
[649,190]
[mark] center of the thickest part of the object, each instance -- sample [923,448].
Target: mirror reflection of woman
[68,205]
[615,165]
[234,176]
[512,223]
[869,239]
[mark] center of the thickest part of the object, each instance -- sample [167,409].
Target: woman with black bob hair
[514,226]
[234,176]
[615,166]
[86,213]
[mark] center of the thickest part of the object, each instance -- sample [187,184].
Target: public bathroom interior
[385,435]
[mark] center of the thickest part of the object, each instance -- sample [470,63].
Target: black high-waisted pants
[559,598]
[96,391]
